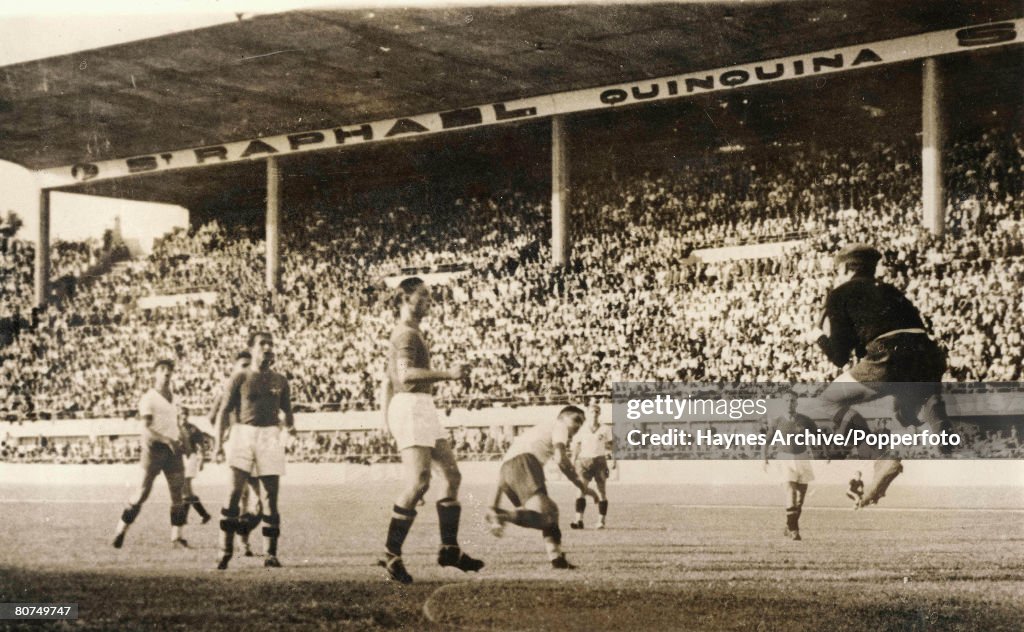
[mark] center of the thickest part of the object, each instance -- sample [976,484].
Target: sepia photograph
[512,315]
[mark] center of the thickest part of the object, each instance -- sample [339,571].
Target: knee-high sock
[179,514]
[401,521]
[228,527]
[552,541]
[193,501]
[448,512]
[271,532]
[128,516]
[602,507]
[581,507]
[793,518]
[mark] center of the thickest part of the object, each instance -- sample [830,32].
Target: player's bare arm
[228,401]
[387,391]
[286,408]
[561,456]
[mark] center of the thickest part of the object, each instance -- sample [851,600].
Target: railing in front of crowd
[446,404]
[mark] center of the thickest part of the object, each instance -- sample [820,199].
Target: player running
[522,480]
[856,491]
[593,444]
[256,446]
[412,419]
[895,356]
[785,424]
[161,452]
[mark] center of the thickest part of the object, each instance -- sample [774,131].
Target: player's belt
[896,332]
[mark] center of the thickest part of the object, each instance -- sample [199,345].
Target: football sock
[581,507]
[552,541]
[127,517]
[448,512]
[271,532]
[179,513]
[194,502]
[401,521]
[228,526]
[602,507]
[793,518]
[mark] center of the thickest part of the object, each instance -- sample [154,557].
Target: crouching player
[593,444]
[522,480]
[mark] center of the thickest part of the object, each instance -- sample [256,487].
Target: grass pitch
[673,557]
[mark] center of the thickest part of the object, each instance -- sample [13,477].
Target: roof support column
[932,139]
[42,272]
[273,225]
[560,243]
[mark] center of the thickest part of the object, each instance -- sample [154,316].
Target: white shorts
[413,420]
[258,450]
[796,468]
[193,463]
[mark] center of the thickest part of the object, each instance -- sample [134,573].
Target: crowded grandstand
[634,304]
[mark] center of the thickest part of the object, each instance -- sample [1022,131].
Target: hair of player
[573,411]
[164,362]
[405,289]
[243,354]
[259,335]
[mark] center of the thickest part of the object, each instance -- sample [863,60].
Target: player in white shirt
[522,480]
[592,445]
[161,452]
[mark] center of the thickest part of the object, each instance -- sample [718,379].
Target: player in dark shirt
[895,356]
[412,419]
[256,446]
[856,491]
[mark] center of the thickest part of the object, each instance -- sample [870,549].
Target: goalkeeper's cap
[859,253]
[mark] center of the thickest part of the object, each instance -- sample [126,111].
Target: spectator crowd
[636,302]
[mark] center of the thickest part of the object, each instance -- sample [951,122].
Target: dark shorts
[907,366]
[158,457]
[593,469]
[522,476]
[901,358]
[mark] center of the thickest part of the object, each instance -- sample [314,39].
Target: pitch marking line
[871,509]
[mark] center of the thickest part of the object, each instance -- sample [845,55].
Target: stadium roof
[307,70]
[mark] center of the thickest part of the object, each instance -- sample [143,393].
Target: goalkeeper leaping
[895,356]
